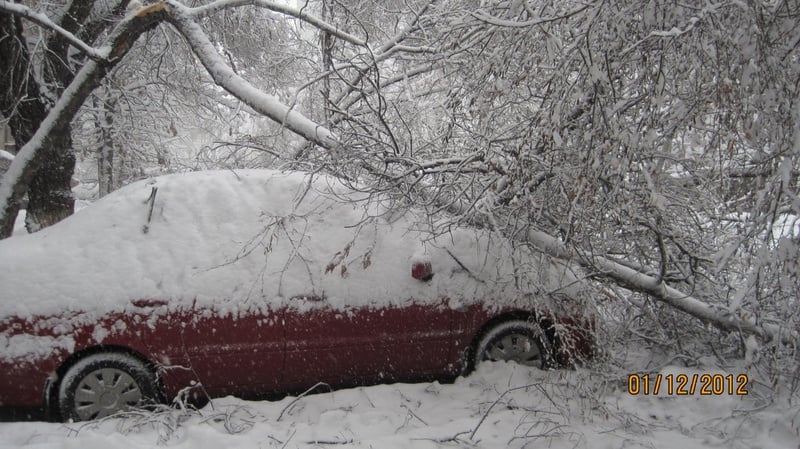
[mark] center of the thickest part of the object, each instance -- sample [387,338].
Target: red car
[246,283]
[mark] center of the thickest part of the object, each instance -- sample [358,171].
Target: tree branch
[640,282]
[279,8]
[45,22]
[496,21]
[240,88]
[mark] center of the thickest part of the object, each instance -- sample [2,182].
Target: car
[252,282]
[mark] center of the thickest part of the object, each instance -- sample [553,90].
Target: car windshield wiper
[152,200]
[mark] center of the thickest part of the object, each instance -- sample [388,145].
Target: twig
[303,394]
[486,414]
[453,439]
[330,442]
[413,414]
[464,267]
[283,446]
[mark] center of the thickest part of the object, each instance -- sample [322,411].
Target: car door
[363,345]
[228,352]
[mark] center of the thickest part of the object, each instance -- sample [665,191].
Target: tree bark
[20,100]
[50,197]
[326,41]
[104,122]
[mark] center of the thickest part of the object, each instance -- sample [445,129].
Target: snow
[28,346]
[19,223]
[502,405]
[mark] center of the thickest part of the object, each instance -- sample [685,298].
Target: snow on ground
[501,405]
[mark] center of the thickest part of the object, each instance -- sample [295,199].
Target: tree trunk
[7,227]
[105,151]
[50,197]
[326,48]
[19,99]
[49,191]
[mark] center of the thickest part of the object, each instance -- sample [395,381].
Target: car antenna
[152,200]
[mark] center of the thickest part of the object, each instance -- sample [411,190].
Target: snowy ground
[501,405]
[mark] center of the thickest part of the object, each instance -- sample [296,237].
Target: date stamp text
[687,384]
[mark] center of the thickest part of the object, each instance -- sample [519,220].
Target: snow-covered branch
[297,13]
[430,166]
[404,33]
[637,281]
[240,88]
[44,21]
[673,32]
[345,103]
[496,21]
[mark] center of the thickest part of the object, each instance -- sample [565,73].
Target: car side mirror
[421,269]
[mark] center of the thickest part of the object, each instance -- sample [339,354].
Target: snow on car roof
[243,241]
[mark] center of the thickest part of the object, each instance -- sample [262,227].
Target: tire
[101,385]
[517,341]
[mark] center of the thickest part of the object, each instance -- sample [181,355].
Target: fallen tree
[638,281]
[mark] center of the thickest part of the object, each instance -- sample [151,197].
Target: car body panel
[365,345]
[230,354]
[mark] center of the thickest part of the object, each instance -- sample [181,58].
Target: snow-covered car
[257,281]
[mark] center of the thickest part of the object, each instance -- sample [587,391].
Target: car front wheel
[519,341]
[100,385]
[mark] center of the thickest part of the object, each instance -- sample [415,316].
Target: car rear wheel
[520,341]
[100,385]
